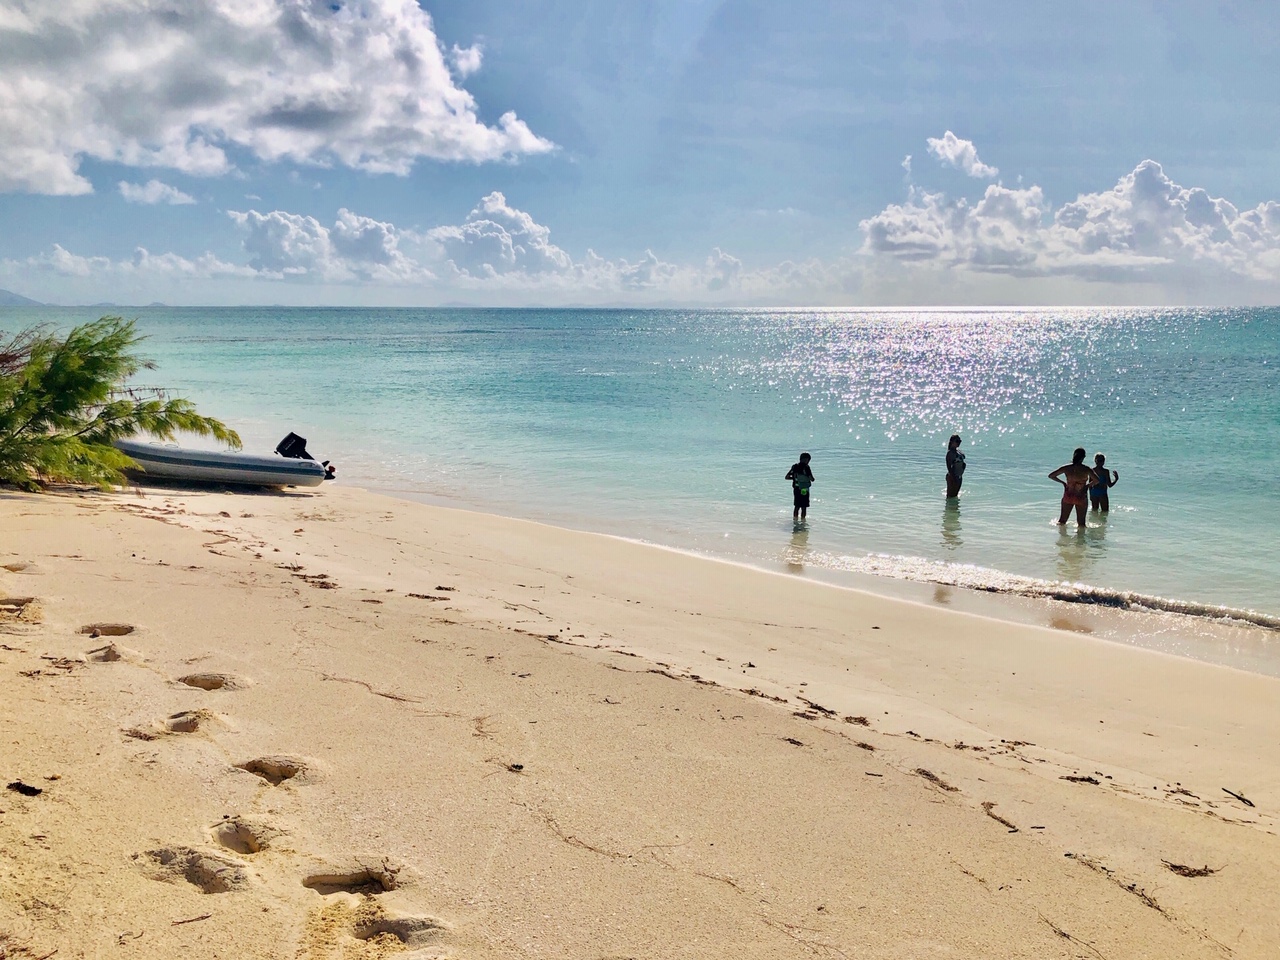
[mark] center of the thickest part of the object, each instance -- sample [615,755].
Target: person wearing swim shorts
[1106,480]
[800,475]
[1076,479]
[955,466]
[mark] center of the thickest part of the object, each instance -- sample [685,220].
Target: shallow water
[677,427]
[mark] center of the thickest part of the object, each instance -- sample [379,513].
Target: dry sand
[337,725]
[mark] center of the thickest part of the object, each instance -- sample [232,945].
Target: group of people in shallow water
[1080,484]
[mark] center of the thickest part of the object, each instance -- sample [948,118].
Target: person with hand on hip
[1076,479]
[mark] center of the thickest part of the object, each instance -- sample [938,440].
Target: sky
[657,152]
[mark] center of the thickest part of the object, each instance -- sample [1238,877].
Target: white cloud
[362,83]
[906,164]
[723,271]
[1000,230]
[61,262]
[961,154]
[153,191]
[497,239]
[466,60]
[647,273]
[1145,240]
[205,266]
[1146,228]
[355,249]
[503,249]
[284,243]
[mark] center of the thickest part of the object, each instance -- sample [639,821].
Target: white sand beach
[339,725]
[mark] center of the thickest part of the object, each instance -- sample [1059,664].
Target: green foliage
[63,402]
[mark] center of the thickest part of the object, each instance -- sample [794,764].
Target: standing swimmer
[1076,479]
[1106,480]
[955,466]
[801,476]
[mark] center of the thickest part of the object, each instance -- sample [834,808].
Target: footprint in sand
[23,567]
[189,721]
[214,681]
[356,924]
[186,721]
[276,770]
[367,930]
[95,630]
[20,610]
[244,835]
[360,875]
[208,871]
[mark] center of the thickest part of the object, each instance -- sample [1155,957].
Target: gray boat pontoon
[169,462]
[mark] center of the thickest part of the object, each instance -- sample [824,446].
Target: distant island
[11,299]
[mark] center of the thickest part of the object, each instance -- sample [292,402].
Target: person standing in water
[1106,480]
[955,466]
[801,476]
[1076,479]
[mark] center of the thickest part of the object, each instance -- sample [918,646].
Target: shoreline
[342,725]
[1204,632]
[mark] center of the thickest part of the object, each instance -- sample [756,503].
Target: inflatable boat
[169,462]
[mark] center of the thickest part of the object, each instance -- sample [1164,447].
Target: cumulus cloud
[142,263]
[363,83]
[1147,227]
[498,239]
[646,273]
[498,250]
[1146,235]
[1149,220]
[295,246]
[153,192]
[723,271]
[466,60]
[501,248]
[1000,229]
[961,154]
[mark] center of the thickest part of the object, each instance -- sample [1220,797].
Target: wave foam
[987,580]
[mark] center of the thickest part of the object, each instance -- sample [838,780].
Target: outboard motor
[294,447]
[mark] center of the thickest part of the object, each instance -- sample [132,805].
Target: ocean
[676,427]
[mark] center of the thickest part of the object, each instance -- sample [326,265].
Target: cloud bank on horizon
[1145,229]
[218,91]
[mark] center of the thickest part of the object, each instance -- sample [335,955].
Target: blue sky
[663,152]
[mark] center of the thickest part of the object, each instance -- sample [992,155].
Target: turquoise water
[677,426]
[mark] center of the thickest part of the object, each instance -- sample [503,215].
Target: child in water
[800,475]
[1106,480]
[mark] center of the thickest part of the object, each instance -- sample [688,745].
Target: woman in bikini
[1076,479]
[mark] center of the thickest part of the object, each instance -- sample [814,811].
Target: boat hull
[165,462]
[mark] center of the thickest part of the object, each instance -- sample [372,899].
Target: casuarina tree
[64,400]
